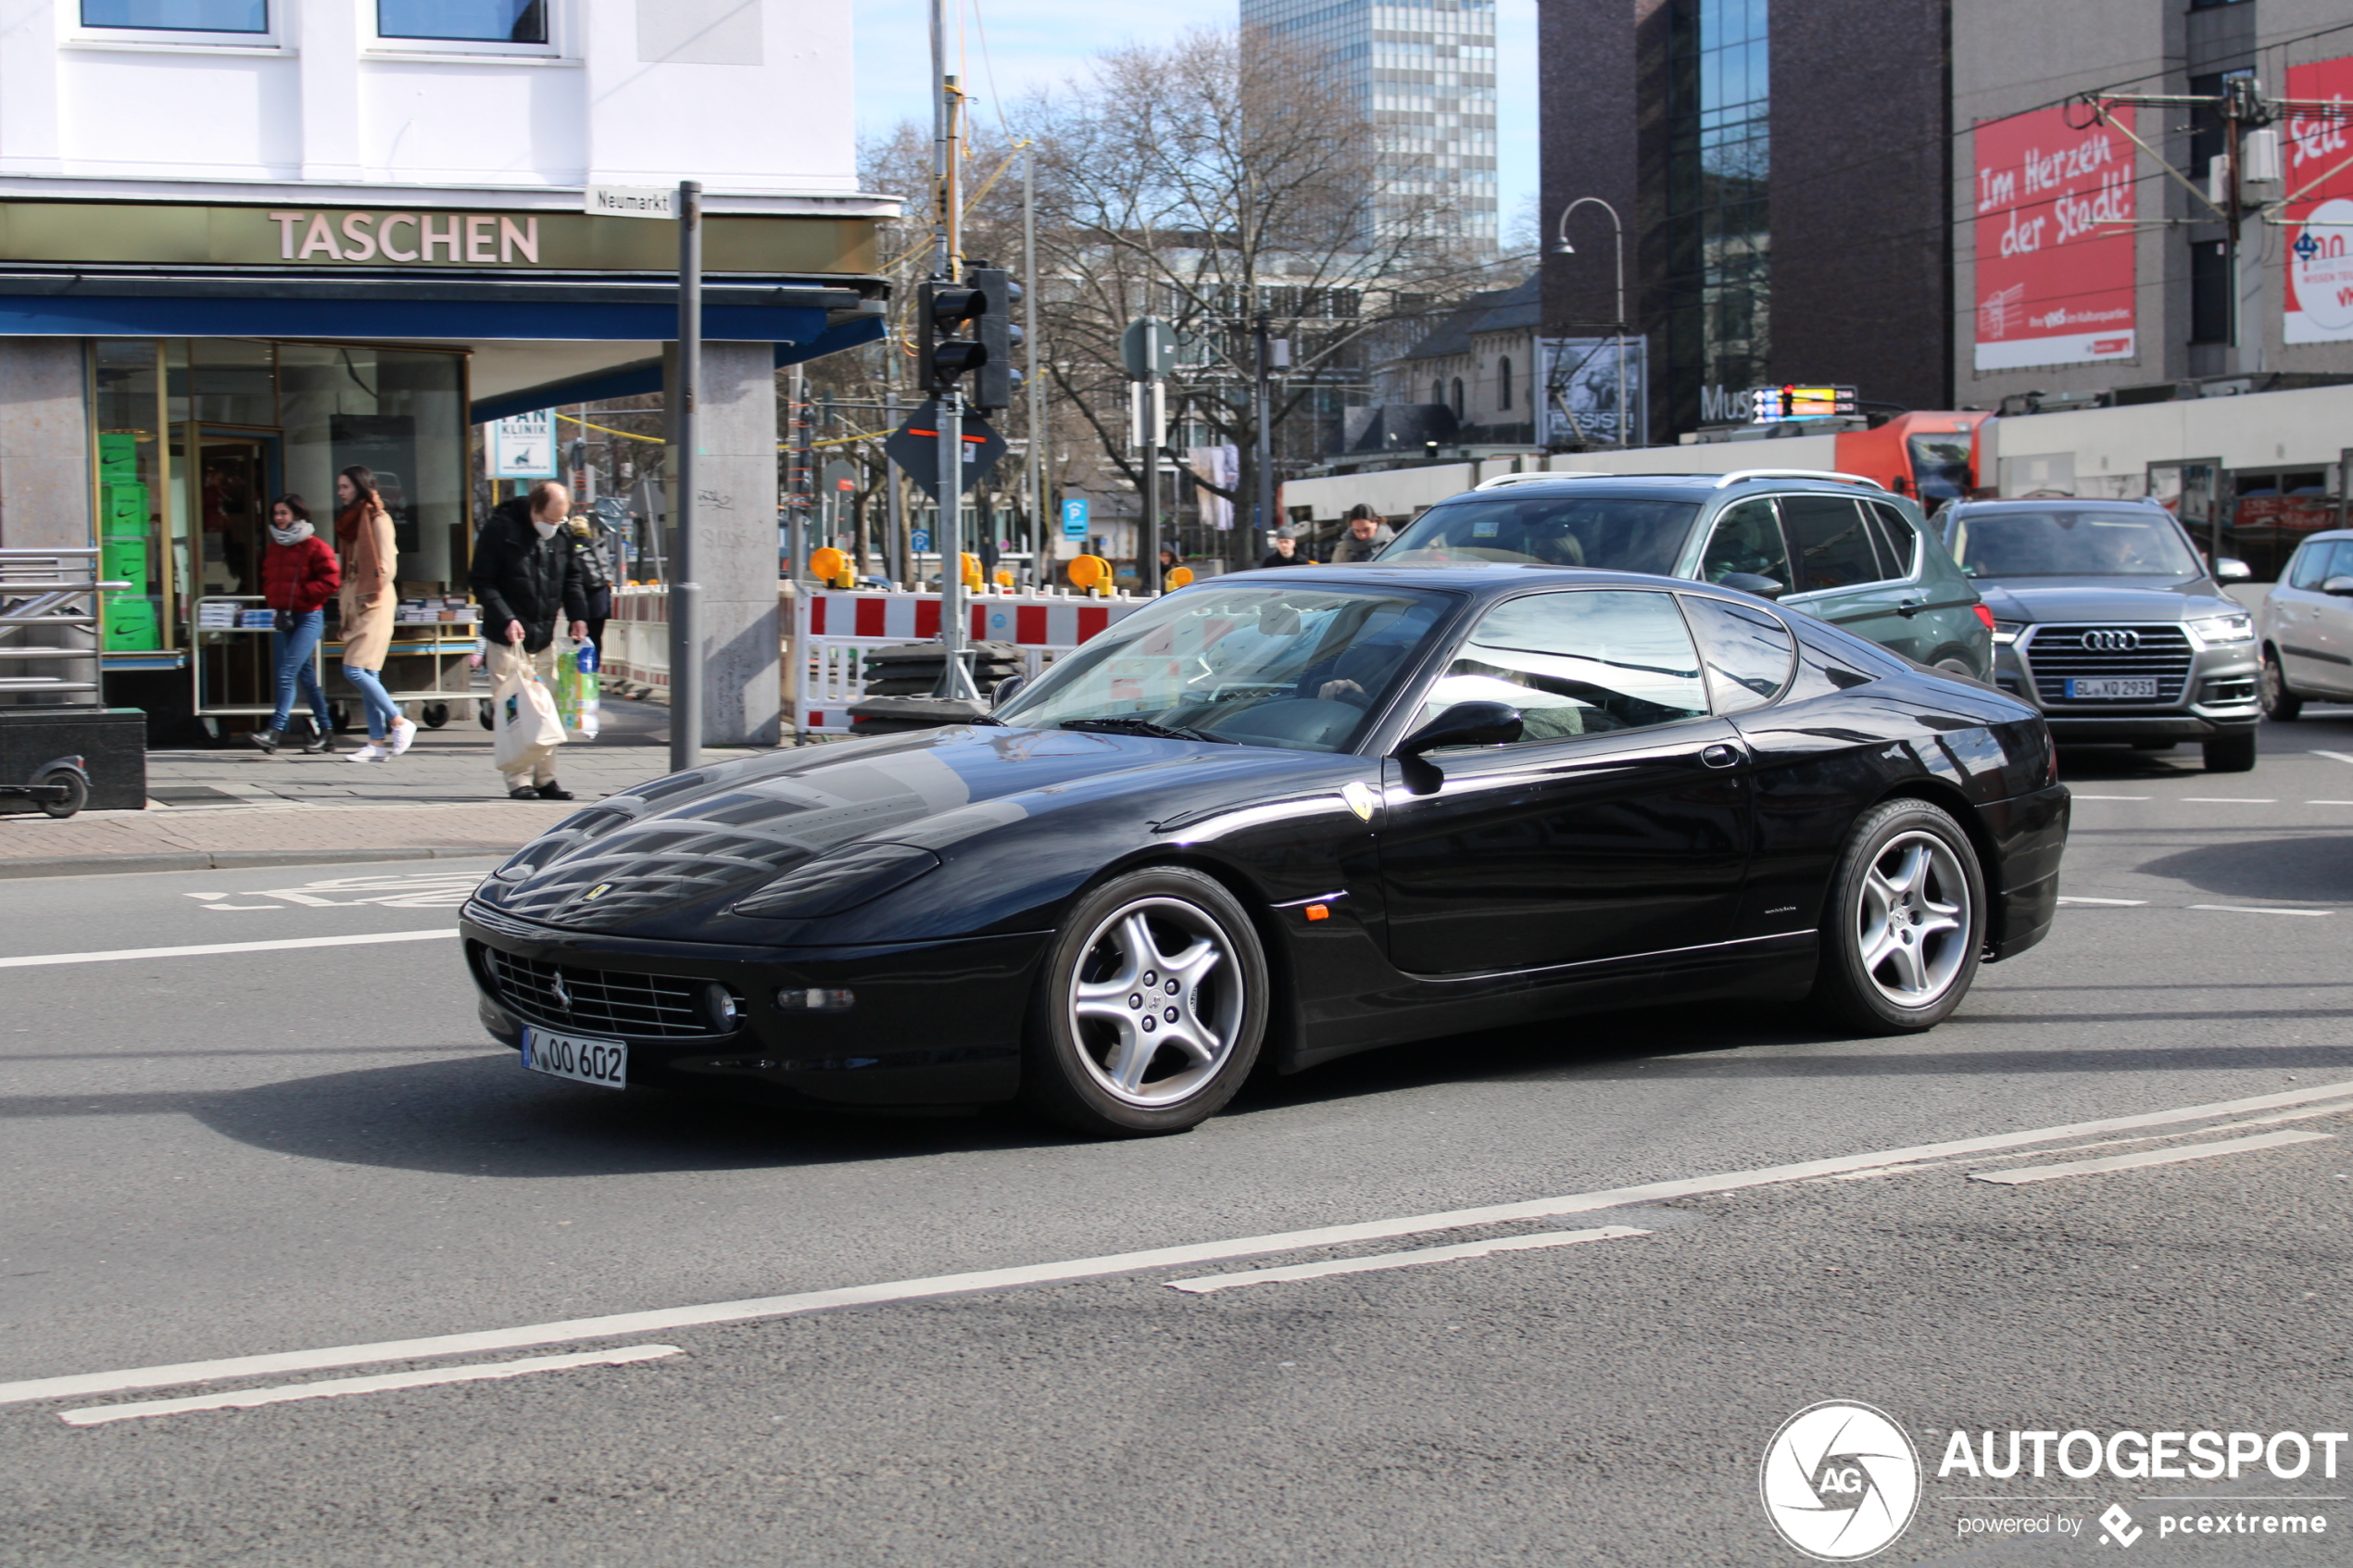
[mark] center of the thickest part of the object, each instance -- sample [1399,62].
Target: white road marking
[246,1399]
[620,1325]
[2272,1119]
[411,890]
[2119,903]
[2329,803]
[2334,756]
[2256,909]
[2229,799]
[208,949]
[1207,1283]
[2109,797]
[2148,1157]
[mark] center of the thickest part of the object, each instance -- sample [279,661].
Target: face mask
[545,530]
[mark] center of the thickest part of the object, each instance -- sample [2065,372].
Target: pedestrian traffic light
[999,335]
[946,310]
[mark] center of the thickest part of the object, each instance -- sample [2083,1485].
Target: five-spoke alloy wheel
[1151,1008]
[1906,922]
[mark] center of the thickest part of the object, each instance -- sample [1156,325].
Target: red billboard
[2318,148]
[2055,240]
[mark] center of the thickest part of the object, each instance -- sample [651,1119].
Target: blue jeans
[289,658]
[381,709]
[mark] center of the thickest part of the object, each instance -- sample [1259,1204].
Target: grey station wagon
[1835,547]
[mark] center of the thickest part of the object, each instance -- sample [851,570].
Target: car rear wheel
[2230,754]
[2278,702]
[1150,1009]
[1906,922]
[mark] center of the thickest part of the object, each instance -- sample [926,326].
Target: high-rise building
[1424,72]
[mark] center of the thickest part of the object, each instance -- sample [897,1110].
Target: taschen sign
[2320,207]
[2054,249]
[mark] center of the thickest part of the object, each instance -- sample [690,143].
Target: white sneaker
[403,735]
[375,751]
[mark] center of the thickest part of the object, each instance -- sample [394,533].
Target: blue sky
[1041,42]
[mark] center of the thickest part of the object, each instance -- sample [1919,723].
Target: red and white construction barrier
[831,629]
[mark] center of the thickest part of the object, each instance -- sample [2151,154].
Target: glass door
[231,478]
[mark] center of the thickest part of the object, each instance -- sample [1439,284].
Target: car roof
[1663,486]
[2056,503]
[1483,580]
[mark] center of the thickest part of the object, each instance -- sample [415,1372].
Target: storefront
[229,353]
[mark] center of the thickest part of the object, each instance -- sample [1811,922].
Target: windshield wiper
[1144,727]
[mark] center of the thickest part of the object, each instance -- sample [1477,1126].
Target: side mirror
[1005,690]
[2228,570]
[1465,723]
[2340,586]
[1750,583]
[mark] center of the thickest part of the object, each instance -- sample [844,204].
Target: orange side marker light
[1319,912]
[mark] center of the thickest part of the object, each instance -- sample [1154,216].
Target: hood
[2100,598]
[672,856]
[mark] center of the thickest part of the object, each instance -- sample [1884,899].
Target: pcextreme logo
[1840,1481]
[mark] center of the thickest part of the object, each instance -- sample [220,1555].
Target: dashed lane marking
[2117,903]
[2113,798]
[2334,756]
[246,1399]
[210,949]
[2228,800]
[2258,910]
[2147,1157]
[1207,1283]
[627,1324]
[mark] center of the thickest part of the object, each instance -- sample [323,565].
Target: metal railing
[52,612]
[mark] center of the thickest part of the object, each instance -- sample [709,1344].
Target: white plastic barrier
[834,628]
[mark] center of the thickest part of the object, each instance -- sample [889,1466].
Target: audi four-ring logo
[2113,640]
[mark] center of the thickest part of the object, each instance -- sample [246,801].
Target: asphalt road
[236,1154]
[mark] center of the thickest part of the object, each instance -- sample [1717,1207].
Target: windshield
[2073,541]
[1940,466]
[1623,534]
[1300,668]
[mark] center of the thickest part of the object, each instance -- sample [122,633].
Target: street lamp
[1617,238]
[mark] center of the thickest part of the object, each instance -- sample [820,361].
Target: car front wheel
[1150,1009]
[2279,703]
[1906,922]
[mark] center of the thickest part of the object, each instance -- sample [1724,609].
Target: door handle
[1722,756]
[1910,608]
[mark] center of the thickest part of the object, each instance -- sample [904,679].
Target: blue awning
[644,376]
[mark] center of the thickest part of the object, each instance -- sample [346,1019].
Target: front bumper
[2212,693]
[934,1023]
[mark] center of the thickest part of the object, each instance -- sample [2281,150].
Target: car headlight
[2006,631]
[2216,630]
[832,883]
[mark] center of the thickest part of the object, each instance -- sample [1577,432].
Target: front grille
[599,1001]
[2058,655]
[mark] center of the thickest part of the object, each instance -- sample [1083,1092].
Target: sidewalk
[238,807]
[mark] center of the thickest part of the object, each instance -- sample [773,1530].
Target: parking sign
[1075,518]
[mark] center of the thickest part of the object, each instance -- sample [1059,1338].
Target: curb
[228,859]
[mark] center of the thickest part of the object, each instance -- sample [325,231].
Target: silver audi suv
[2107,618]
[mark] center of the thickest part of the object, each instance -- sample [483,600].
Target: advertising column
[2055,240]
[2319,206]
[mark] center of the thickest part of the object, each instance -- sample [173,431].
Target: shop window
[178,16]
[134,495]
[1504,381]
[400,412]
[2209,293]
[475,21]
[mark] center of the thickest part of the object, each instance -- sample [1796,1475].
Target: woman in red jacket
[298,576]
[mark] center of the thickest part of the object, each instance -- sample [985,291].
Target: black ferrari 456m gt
[1276,817]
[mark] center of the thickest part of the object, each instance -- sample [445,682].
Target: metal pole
[894,523]
[797,486]
[1148,534]
[955,674]
[686,640]
[1625,414]
[1037,465]
[1264,521]
[943,156]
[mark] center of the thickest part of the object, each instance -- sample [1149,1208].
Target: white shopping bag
[527,723]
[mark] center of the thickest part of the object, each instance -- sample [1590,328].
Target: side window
[1747,650]
[2313,566]
[1828,536]
[1747,538]
[1581,663]
[1899,543]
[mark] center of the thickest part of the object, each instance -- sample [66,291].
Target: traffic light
[946,310]
[999,335]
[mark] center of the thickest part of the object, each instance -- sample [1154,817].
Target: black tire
[1955,664]
[2230,754]
[433,715]
[2280,704]
[77,792]
[1212,1015]
[1906,903]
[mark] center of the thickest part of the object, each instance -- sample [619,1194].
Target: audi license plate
[2146,687]
[602,1062]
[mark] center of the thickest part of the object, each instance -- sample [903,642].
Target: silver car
[2307,627]
[2107,618]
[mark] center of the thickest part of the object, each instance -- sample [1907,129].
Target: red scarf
[348,522]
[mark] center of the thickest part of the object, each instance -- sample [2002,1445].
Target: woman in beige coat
[363,530]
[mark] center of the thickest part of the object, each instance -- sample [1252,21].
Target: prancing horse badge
[1362,798]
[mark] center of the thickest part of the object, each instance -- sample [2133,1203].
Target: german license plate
[602,1062]
[2111,687]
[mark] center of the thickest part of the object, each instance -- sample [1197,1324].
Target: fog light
[719,1004]
[814,1000]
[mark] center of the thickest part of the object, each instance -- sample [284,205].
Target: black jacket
[595,552]
[519,576]
[1297,557]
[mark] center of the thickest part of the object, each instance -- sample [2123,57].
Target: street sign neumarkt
[630,201]
[914,447]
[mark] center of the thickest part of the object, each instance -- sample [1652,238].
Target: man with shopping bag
[525,578]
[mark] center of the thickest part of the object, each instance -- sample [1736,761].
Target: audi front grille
[595,1001]
[2060,654]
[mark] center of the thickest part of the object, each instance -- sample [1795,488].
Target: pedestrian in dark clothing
[1286,553]
[528,581]
[1366,535]
[592,546]
[299,574]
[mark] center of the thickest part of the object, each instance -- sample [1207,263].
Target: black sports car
[1280,816]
